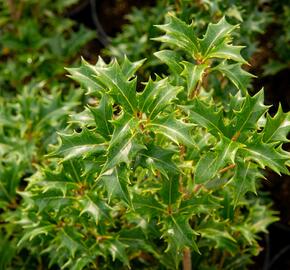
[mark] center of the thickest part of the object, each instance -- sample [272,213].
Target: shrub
[160,171]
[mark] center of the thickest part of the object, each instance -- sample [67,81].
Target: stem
[227,168]
[186,260]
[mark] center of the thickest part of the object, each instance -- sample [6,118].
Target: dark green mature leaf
[117,250]
[193,74]
[277,128]
[249,114]
[210,164]
[102,115]
[267,155]
[156,96]
[176,130]
[234,72]
[171,59]
[80,144]
[122,144]
[179,34]
[116,181]
[207,115]
[170,189]
[129,68]
[147,205]
[123,89]
[216,42]
[85,75]
[157,158]
[244,180]
[178,233]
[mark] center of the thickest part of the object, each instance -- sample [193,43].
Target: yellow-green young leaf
[193,74]
[82,144]
[156,96]
[234,72]
[116,182]
[277,127]
[102,115]
[179,34]
[176,130]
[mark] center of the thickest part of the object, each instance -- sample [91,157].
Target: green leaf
[129,68]
[178,233]
[179,34]
[157,158]
[210,164]
[169,191]
[116,181]
[171,59]
[147,205]
[193,74]
[277,127]
[176,130]
[215,43]
[244,180]
[121,145]
[83,144]
[102,115]
[156,96]
[234,72]
[117,250]
[206,115]
[247,117]
[267,155]
[85,75]
[122,89]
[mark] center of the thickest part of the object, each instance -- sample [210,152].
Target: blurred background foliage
[39,38]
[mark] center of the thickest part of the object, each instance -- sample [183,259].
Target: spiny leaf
[102,115]
[208,116]
[210,164]
[193,74]
[234,72]
[157,158]
[129,68]
[247,117]
[147,205]
[277,128]
[179,234]
[169,191]
[156,96]
[121,144]
[85,75]
[83,144]
[267,155]
[244,180]
[179,34]
[116,182]
[216,34]
[123,89]
[171,59]
[174,129]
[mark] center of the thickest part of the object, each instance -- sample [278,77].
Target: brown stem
[231,166]
[236,136]
[186,260]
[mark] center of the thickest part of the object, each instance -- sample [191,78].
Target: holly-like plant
[159,172]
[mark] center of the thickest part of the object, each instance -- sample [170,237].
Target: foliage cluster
[145,173]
